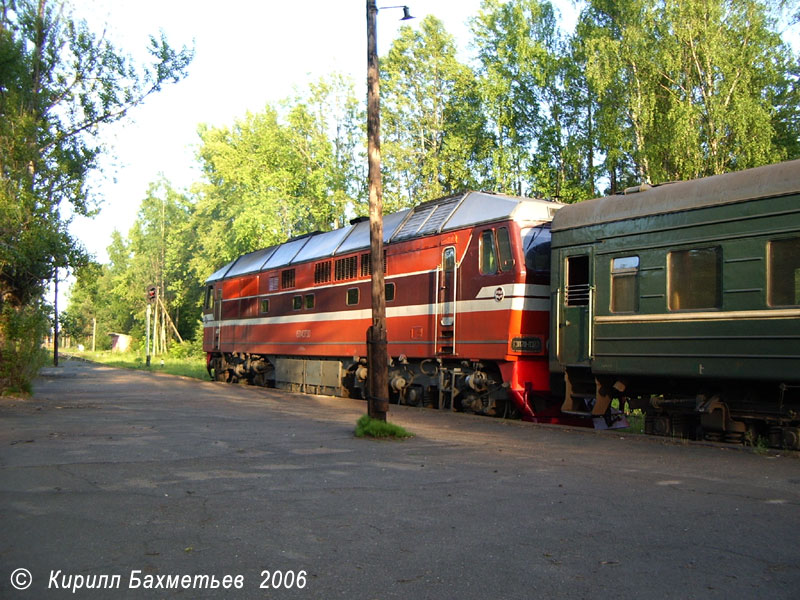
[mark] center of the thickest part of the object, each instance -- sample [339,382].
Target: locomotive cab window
[488,255]
[624,284]
[352,296]
[264,306]
[783,285]
[536,244]
[390,292]
[309,301]
[495,251]
[297,302]
[694,278]
[504,247]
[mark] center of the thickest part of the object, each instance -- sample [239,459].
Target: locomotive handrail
[558,323]
[455,300]
[436,311]
[590,324]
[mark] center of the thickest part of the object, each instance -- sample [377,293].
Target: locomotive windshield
[536,244]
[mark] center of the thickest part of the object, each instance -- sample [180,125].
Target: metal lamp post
[377,355]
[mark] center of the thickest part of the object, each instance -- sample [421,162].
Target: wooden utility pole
[377,354]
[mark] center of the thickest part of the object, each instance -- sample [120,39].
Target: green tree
[518,48]
[274,175]
[59,84]
[434,140]
[688,89]
[161,242]
[94,307]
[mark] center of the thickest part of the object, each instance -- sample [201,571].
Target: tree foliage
[279,173]
[691,88]
[59,84]
[434,133]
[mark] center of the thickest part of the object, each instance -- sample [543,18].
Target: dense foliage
[640,90]
[59,84]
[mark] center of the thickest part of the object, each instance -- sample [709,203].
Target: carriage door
[446,303]
[576,296]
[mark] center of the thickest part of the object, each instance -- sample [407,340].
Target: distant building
[120,342]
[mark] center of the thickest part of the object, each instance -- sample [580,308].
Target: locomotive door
[217,316]
[575,307]
[447,277]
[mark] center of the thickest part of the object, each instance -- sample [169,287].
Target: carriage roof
[761,182]
[431,218]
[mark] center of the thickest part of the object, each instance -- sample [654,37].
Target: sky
[248,54]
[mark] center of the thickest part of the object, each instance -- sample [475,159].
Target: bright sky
[248,53]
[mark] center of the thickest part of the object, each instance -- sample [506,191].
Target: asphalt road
[119,484]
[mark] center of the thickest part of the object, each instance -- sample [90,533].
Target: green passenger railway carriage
[683,299]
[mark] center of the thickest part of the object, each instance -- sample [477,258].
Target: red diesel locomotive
[467,297]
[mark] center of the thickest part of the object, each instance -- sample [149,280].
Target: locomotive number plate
[527,344]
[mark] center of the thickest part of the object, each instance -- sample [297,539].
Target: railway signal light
[151,294]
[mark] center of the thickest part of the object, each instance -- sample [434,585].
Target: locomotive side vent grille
[287,279]
[366,264]
[322,272]
[346,268]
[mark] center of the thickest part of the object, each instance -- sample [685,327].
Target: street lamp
[377,355]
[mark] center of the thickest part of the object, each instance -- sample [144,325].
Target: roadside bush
[21,354]
[189,348]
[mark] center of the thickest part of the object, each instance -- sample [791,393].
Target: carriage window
[389,292]
[783,287]
[504,245]
[694,278]
[264,308]
[624,289]
[488,257]
[352,296]
[577,281]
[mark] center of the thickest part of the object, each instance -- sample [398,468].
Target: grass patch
[369,427]
[187,367]
[635,422]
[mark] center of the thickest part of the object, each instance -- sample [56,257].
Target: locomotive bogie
[685,293]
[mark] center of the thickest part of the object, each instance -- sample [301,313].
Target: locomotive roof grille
[445,214]
[761,182]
